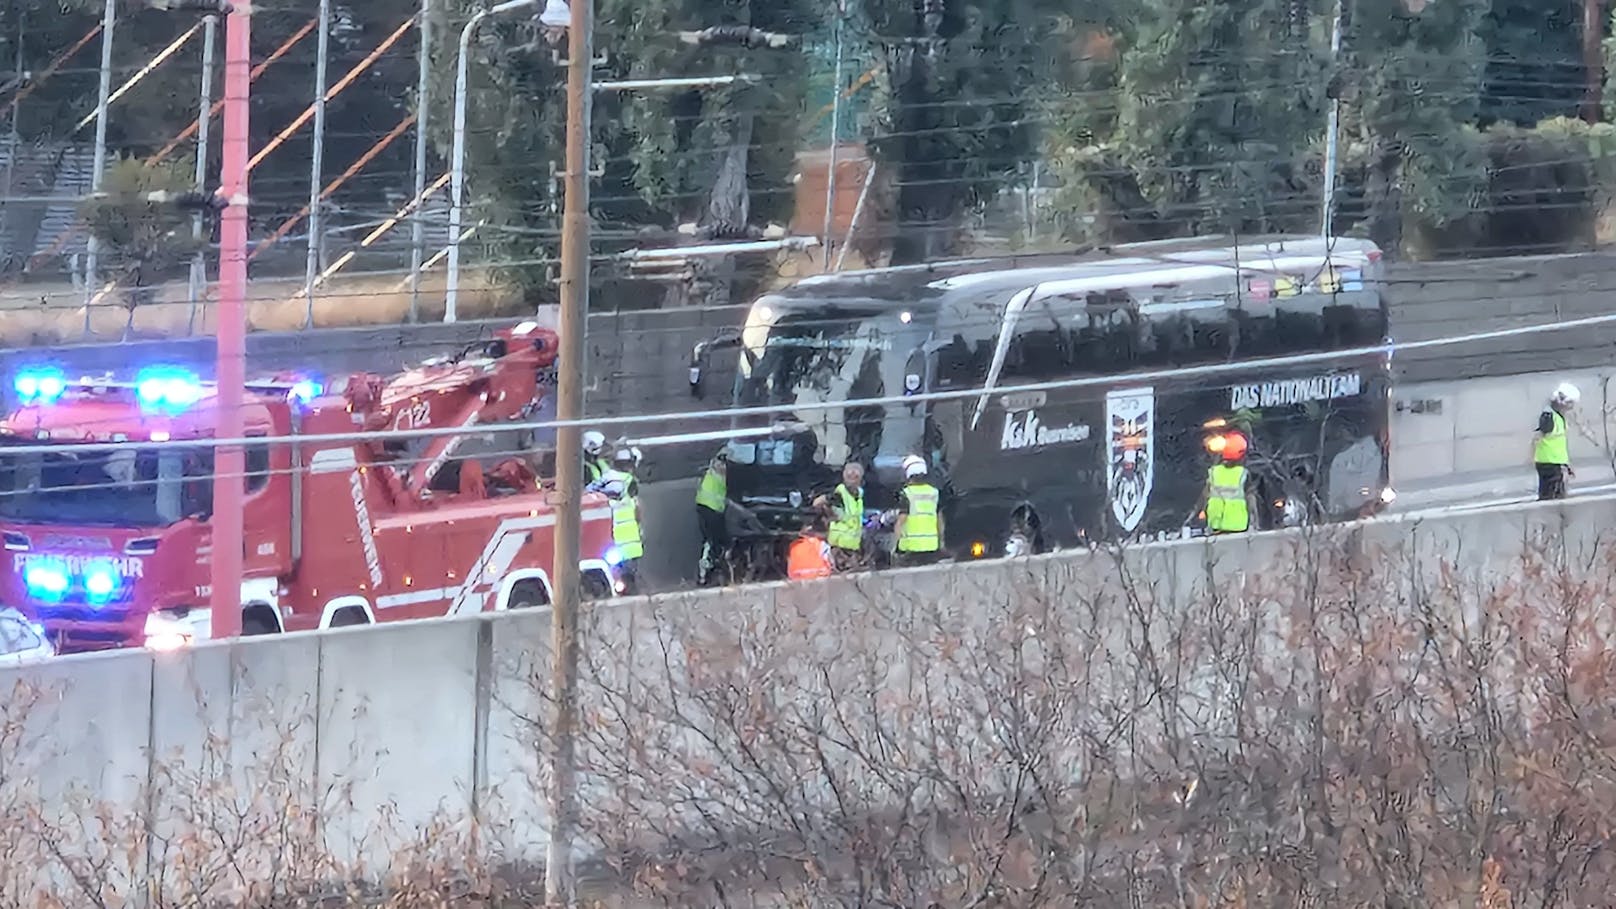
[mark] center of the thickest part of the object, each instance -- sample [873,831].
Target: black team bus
[1124,457]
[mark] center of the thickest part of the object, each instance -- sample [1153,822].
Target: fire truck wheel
[349,617]
[255,620]
[528,595]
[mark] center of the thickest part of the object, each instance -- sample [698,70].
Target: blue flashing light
[614,556]
[46,581]
[100,583]
[39,386]
[305,391]
[167,388]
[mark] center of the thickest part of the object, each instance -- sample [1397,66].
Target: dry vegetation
[54,315]
[1361,730]
[1349,733]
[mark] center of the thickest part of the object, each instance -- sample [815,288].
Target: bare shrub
[1367,725]
[1339,719]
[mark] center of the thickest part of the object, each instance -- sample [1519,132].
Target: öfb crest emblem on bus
[1130,476]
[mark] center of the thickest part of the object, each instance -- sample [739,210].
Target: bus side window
[961,366]
[1105,337]
[1039,350]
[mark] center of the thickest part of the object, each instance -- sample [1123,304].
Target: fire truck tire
[528,595]
[257,620]
[347,618]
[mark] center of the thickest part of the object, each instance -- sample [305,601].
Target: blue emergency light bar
[305,391]
[49,581]
[167,388]
[40,386]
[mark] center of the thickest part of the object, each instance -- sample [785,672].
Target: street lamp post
[457,167]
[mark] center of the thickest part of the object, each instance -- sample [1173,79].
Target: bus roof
[988,281]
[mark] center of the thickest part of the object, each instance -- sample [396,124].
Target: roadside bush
[1386,722]
[1368,730]
[1546,189]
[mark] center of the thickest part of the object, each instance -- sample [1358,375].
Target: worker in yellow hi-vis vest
[1229,500]
[1551,447]
[920,520]
[712,504]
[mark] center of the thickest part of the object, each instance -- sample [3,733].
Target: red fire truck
[110,545]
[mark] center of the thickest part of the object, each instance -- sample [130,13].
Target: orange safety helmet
[1234,446]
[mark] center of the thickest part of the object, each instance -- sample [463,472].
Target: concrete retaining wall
[1447,431]
[441,720]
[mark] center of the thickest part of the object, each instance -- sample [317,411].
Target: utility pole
[229,468]
[204,121]
[1593,59]
[835,133]
[457,165]
[14,145]
[558,884]
[98,176]
[1332,130]
[311,266]
[423,89]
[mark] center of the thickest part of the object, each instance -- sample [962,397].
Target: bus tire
[1025,519]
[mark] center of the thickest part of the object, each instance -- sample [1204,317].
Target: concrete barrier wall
[1448,431]
[412,724]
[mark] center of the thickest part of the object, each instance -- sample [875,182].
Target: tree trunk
[929,175]
[729,211]
[1385,196]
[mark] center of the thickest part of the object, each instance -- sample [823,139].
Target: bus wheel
[1026,531]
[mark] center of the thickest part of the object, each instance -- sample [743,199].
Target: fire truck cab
[110,541]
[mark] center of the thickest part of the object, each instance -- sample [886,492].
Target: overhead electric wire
[1090,381]
[355,72]
[52,68]
[150,66]
[330,188]
[67,236]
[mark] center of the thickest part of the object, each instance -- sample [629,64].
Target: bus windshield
[117,488]
[809,358]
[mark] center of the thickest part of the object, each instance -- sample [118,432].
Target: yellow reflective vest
[1226,508]
[712,492]
[847,531]
[625,515]
[1553,447]
[920,526]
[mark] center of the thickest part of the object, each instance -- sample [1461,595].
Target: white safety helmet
[594,442]
[624,456]
[1567,393]
[914,466]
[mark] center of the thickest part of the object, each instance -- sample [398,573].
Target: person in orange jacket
[810,555]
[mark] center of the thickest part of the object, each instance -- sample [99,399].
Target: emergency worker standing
[1228,497]
[920,523]
[1551,446]
[623,490]
[595,465]
[712,501]
[810,555]
[846,508]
